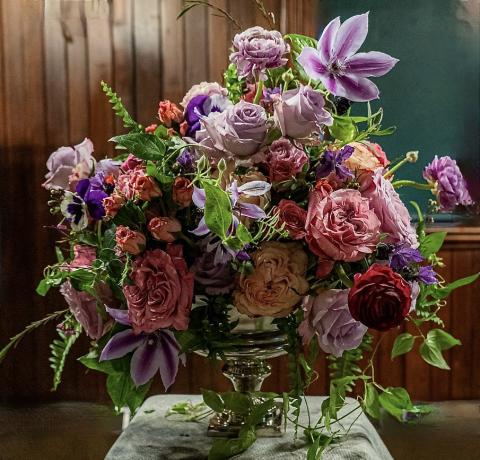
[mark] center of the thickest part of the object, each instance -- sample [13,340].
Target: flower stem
[411,183]
[259,92]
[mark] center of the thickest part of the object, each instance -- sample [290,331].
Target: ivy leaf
[396,401]
[123,391]
[142,145]
[445,291]
[213,400]
[371,401]
[442,339]
[237,402]
[218,209]
[432,355]
[258,412]
[431,243]
[226,448]
[403,344]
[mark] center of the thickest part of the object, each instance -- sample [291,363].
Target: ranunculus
[341,225]
[130,163]
[205,89]
[256,50]
[379,298]
[169,113]
[84,255]
[112,204]
[162,228]
[129,240]
[182,191]
[277,283]
[293,217]
[136,184]
[451,187]
[67,165]
[284,160]
[393,215]
[84,308]
[162,291]
[366,156]
[300,112]
[327,316]
[239,130]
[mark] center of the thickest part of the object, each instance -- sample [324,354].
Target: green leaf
[218,209]
[445,291]
[58,253]
[432,355]
[119,109]
[226,448]
[213,400]
[91,361]
[395,401]
[343,129]
[403,344]
[371,401]
[442,339]
[432,243]
[297,43]
[123,391]
[59,351]
[43,287]
[259,411]
[240,403]
[243,234]
[142,145]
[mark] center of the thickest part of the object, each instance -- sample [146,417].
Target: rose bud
[162,228]
[293,217]
[168,112]
[112,204]
[379,298]
[129,240]
[182,192]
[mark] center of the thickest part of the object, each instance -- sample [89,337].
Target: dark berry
[341,104]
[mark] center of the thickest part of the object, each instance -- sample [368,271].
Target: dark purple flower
[402,256]
[427,275]
[451,188]
[201,106]
[158,351]
[186,160]
[337,64]
[269,92]
[243,256]
[332,162]
[91,191]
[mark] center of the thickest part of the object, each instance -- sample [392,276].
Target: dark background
[53,53]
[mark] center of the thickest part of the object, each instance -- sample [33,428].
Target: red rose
[379,298]
[294,217]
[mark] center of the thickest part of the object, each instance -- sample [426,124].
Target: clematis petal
[310,60]
[358,89]
[327,40]
[198,197]
[255,188]
[168,349]
[146,361]
[371,64]
[350,36]
[201,229]
[120,344]
[251,210]
[120,316]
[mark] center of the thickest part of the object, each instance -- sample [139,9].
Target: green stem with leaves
[411,183]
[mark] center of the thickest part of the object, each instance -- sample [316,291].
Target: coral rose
[341,225]
[277,283]
[367,156]
[162,228]
[169,113]
[129,240]
[112,204]
[130,163]
[162,291]
[136,184]
[293,217]
[379,298]
[182,191]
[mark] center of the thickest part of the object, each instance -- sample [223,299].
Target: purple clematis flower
[337,64]
[402,256]
[332,162]
[427,275]
[158,351]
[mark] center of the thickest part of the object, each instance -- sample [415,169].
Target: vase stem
[246,374]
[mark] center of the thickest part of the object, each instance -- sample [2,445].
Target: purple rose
[284,160]
[451,188]
[300,112]
[67,165]
[240,130]
[327,316]
[256,50]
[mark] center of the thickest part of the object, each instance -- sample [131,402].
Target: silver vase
[246,367]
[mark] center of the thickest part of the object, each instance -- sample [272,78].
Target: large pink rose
[341,225]
[162,291]
[385,201]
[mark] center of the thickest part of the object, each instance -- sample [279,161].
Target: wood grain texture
[52,55]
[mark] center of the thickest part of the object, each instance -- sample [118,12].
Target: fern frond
[120,110]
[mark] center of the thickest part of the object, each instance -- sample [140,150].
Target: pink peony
[341,225]
[284,160]
[162,228]
[393,215]
[293,217]
[129,240]
[162,291]
[135,184]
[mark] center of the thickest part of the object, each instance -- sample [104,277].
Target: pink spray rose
[129,240]
[169,113]
[112,204]
[84,255]
[162,228]
[293,217]
[393,215]
[162,291]
[135,184]
[131,162]
[328,318]
[284,160]
[182,191]
[341,225]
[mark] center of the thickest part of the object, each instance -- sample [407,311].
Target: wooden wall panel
[52,55]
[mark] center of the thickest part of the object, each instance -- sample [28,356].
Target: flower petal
[371,64]
[358,89]
[310,60]
[146,361]
[198,197]
[201,229]
[168,364]
[120,344]
[350,36]
[255,188]
[251,210]
[327,40]
[120,316]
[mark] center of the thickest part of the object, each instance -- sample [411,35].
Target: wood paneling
[53,54]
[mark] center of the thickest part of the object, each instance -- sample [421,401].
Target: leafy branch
[190,4]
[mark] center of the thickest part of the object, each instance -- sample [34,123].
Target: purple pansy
[402,256]
[158,351]
[427,275]
[201,106]
[332,162]
[337,64]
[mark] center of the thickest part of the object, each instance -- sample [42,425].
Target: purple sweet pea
[158,351]
[332,162]
[450,185]
[186,160]
[337,64]
[402,256]
[427,275]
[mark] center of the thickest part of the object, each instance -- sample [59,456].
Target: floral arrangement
[261,198]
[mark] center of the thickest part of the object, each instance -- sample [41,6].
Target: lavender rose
[240,130]
[300,112]
[327,316]
[451,188]
[256,50]
[284,160]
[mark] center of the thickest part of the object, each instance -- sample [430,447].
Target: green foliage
[396,401]
[233,84]
[142,145]
[130,215]
[120,110]
[343,129]
[218,209]
[431,349]
[297,43]
[430,244]
[403,344]
[371,403]
[213,400]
